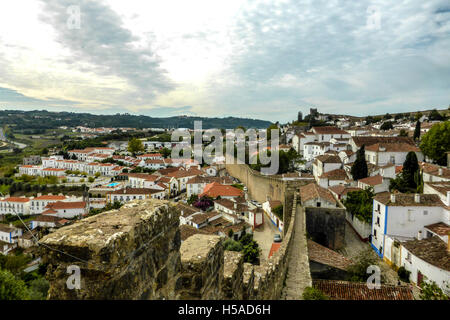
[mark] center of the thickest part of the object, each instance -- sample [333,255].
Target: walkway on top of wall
[298,274]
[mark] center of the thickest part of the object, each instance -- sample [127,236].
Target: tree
[357,271]
[435,115]
[359,203]
[418,115]
[359,169]
[403,133]
[417,131]
[232,245]
[431,291]
[387,125]
[436,142]
[135,145]
[409,171]
[165,152]
[278,211]
[311,293]
[12,288]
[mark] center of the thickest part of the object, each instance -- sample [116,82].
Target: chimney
[419,235]
[417,198]
[440,172]
[393,197]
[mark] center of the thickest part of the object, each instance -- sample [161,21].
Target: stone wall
[326,226]
[131,253]
[260,187]
[136,253]
[202,271]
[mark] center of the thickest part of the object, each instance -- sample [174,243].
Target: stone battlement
[136,253]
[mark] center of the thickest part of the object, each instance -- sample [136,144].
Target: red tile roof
[372,181]
[344,290]
[215,190]
[15,199]
[313,191]
[66,205]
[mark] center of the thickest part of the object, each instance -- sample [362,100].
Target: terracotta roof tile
[344,290]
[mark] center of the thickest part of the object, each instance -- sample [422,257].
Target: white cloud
[260,59]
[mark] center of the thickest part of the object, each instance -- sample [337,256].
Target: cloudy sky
[258,59]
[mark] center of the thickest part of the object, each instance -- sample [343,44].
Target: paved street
[264,236]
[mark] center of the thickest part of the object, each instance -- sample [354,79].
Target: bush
[232,245]
[403,274]
[311,293]
[431,291]
[278,211]
[12,288]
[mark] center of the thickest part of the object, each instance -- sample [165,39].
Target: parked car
[277,238]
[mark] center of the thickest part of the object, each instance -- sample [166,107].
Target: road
[263,235]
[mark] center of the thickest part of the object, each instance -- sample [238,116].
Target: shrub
[311,293]
[232,245]
[403,274]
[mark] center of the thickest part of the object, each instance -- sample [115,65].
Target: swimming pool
[112,184]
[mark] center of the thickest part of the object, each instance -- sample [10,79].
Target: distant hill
[42,119]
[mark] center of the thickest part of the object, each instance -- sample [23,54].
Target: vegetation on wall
[359,203]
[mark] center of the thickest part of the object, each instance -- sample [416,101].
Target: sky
[256,59]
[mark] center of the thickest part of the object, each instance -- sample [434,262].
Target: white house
[404,216]
[434,173]
[131,194]
[9,234]
[15,206]
[268,207]
[325,163]
[381,154]
[312,195]
[428,260]
[378,183]
[66,210]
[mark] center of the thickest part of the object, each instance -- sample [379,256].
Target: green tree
[417,131]
[431,291]
[387,125]
[165,152]
[12,288]
[232,245]
[403,133]
[357,271]
[435,115]
[359,203]
[436,142]
[250,249]
[311,293]
[359,168]
[38,289]
[409,171]
[135,145]
[278,211]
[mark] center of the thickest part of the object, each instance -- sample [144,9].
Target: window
[318,204]
[408,257]
[425,212]
[375,233]
[378,220]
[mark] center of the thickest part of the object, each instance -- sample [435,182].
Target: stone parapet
[202,268]
[131,253]
[233,275]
